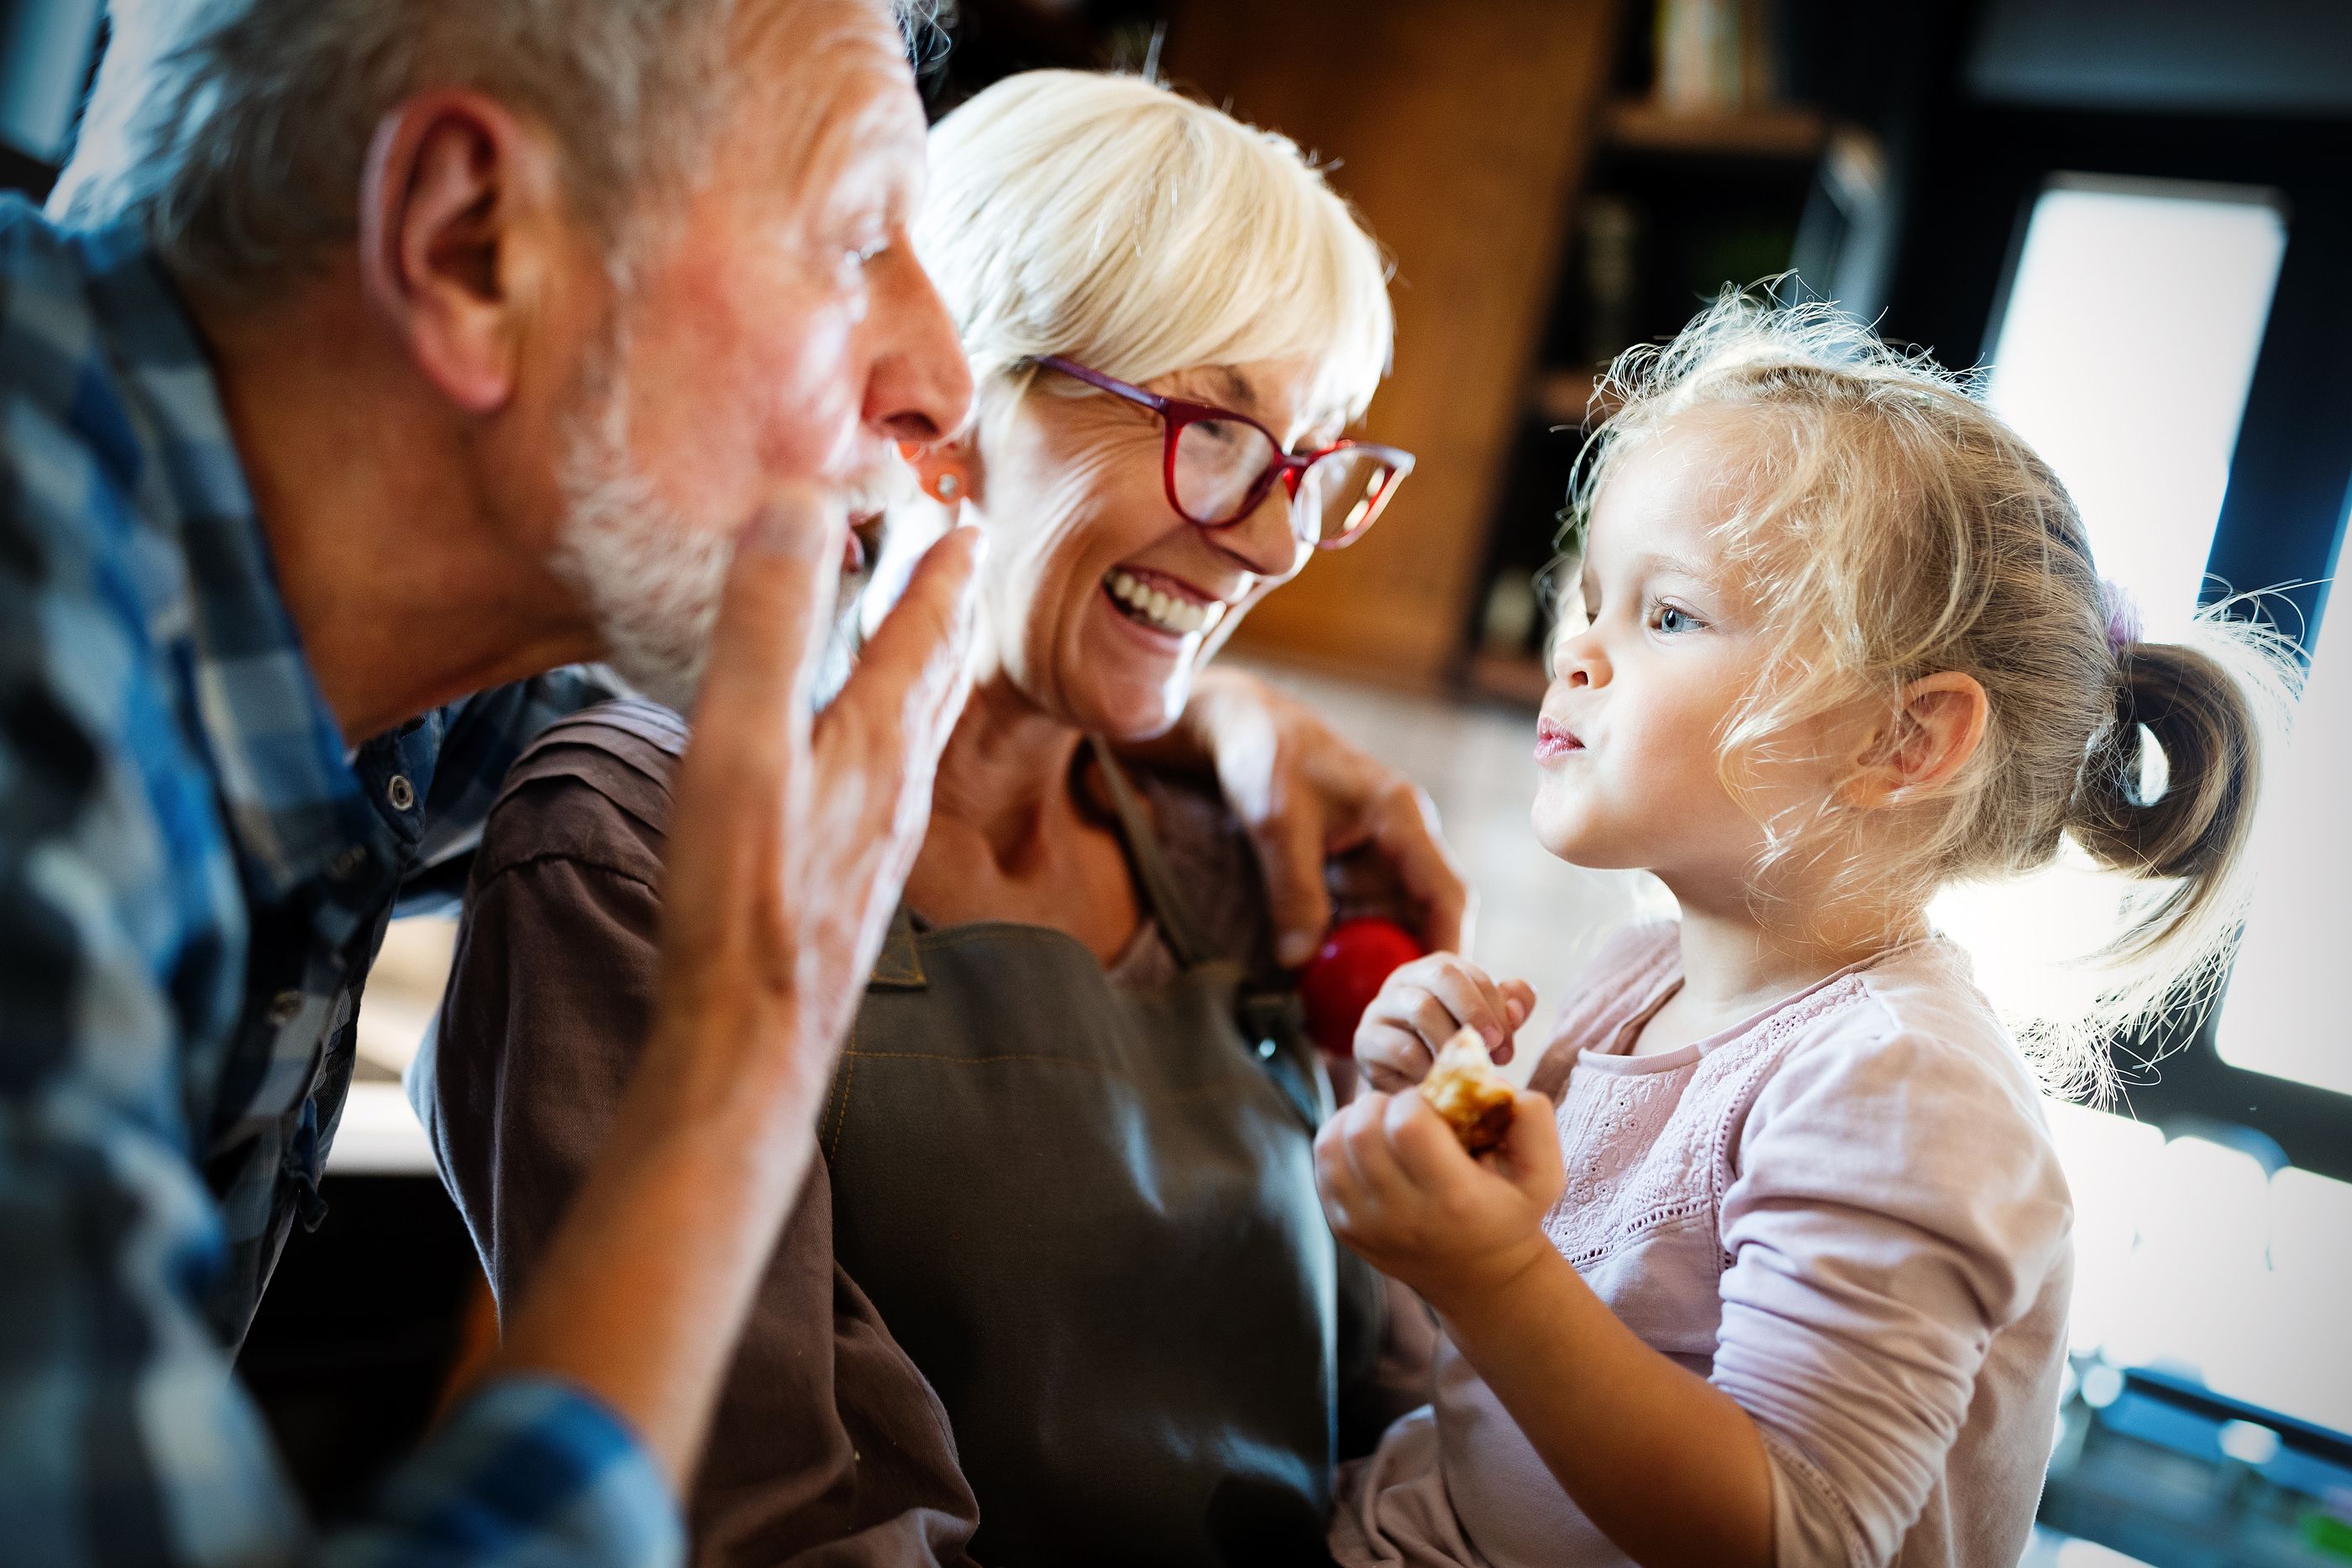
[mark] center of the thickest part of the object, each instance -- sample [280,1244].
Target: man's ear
[461,216]
[1931,738]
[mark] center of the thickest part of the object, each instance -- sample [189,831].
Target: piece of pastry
[1464,1087]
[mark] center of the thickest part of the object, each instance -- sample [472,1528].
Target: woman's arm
[1668,1466]
[1306,795]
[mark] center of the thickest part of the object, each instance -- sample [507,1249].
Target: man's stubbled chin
[652,580]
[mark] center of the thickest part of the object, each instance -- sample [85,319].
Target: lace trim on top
[1647,1150]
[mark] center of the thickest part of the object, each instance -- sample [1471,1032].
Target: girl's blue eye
[1671,618]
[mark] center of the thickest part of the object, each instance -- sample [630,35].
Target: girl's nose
[1578,660]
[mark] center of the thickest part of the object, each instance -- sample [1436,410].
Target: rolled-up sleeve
[1895,1204]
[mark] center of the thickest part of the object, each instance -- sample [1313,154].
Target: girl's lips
[1554,740]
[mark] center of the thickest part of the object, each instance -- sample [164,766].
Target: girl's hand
[1401,1193]
[1423,1005]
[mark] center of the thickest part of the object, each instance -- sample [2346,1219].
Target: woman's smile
[1162,604]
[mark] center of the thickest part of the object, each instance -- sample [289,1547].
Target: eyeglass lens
[1221,462]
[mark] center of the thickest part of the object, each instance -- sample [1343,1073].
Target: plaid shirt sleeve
[124,1436]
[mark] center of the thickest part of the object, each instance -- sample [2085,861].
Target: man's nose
[921,389]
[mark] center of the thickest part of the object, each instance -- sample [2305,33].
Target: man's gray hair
[236,131]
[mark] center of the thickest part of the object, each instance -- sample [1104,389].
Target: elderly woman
[1066,1210]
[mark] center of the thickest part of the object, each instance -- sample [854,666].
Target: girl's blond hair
[1891,527]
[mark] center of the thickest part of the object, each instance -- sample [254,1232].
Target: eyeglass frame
[1175,414]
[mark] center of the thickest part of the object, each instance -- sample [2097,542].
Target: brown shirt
[830,1446]
[548,1006]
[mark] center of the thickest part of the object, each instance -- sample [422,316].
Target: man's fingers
[773,616]
[908,679]
[876,755]
[750,723]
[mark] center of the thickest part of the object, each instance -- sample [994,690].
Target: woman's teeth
[1167,612]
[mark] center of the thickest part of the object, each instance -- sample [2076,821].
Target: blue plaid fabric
[195,875]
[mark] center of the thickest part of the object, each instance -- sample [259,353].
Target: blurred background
[2137,213]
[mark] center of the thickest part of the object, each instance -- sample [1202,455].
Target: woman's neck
[1008,840]
[1006,773]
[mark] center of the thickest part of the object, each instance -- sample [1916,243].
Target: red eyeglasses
[1220,465]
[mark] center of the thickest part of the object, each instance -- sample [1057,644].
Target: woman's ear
[948,471]
[1930,739]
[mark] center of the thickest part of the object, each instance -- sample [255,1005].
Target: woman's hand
[1424,1004]
[1304,794]
[1399,1190]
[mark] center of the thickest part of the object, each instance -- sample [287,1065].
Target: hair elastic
[2124,627]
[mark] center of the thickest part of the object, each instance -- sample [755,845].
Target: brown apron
[1087,1212]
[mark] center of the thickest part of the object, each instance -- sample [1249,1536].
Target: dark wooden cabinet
[1462,133]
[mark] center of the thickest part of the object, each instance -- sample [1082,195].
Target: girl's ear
[948,471]
[1931,738]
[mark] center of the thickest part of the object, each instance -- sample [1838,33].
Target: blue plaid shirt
[195,875]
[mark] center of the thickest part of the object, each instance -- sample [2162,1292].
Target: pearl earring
[946,487]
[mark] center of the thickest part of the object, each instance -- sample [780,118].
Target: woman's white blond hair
[1890,526]
[1115,222]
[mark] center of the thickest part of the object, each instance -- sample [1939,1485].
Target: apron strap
[1178,927]
[1270,1016]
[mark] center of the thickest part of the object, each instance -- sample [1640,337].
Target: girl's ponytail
[1891,527]
[2215,707]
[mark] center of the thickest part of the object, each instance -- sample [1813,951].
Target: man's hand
[790,837]
[1424,1004]
[1305,796]
[792,833]
[1399,1189]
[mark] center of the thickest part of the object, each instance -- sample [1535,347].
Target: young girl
[1783,1276]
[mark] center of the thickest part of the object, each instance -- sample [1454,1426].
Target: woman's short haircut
[1117,223]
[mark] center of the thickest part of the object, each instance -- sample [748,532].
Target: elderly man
[377,357]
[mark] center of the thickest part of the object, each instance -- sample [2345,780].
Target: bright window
[2134,321]
[2282,1014]
[2123,355]
[2190,1257]
[2133,318]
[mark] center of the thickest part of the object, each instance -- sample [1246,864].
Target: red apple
[1340,981]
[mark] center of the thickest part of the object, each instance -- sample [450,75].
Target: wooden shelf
[1563,398]
[1785,132]
[1519,679]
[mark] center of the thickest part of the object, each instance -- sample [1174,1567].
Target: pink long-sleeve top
[1845,1212]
